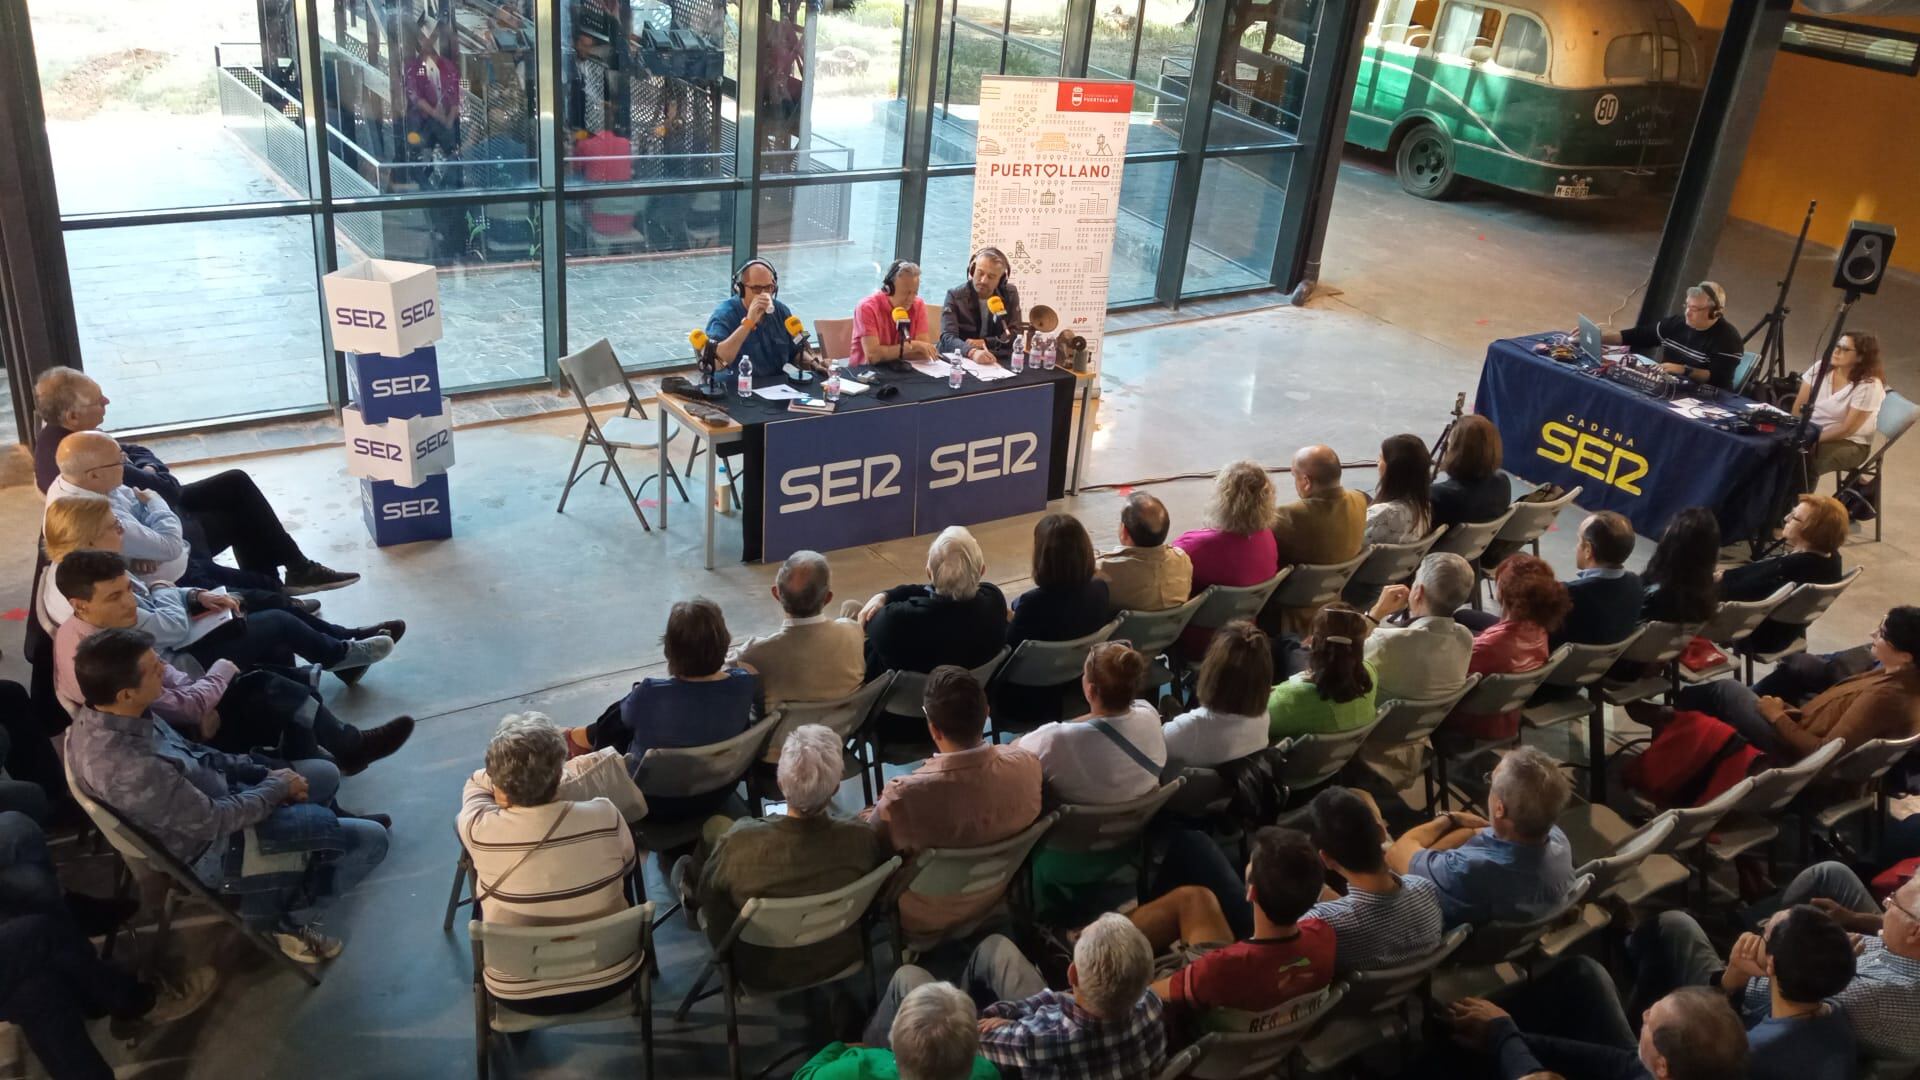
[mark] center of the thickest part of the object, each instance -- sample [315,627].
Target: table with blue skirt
[1631,453]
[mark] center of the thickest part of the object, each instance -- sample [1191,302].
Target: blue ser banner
[839,480]
[983,457]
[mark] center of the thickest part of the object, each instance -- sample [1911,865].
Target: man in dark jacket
[1606,596]
[967,326]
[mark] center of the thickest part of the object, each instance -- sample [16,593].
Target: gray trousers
[997,971]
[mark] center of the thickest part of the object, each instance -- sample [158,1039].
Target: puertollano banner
[1046,190]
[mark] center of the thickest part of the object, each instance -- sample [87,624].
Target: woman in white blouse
[1846,406]
[1235,680]
[1401,511]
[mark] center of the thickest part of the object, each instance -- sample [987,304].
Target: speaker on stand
[1862,261]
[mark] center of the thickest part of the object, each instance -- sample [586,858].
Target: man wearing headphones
[1699,343]
[752,323]
[966,326]
[876,331]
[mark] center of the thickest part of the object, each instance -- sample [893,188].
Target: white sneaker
[307,944]
[364,653]
[182,997]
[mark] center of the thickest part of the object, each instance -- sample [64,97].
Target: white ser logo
[840,482]
[983,459]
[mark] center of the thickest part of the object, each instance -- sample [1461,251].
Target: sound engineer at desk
[1698,343]
[967,325]
[753,322]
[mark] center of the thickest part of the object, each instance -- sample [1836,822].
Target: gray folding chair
[1471,540]
[905,698]
[1410,723]
[1259,1044]
[1313,585]
[1853,786]
[1225,603]
[1503,942]
[846,718]
[1570,692]
[1379,1004]
[1044,664]
[148,861]
[1203,796]
[1153,633]
[1659,644]
[1734,622]
[787,923]
[1084,828]
[1531,520]
[1387,564]
[955,872]
[1611,871]
[685,772]
[1753,821]
[1897,415]
[1594,831]
[1314,759]
[1799,610]
[1492,694]
[556,954]
[587,372]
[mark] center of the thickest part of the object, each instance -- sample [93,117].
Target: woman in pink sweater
[1237,546]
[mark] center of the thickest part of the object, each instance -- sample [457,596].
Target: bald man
[1147,573]
[1326,525]
[155,542]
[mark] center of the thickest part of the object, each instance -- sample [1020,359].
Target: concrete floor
[528,609]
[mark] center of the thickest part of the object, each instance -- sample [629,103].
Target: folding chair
[146,859]
[1897,415]
[1659,644]
[1799,610]
[1492,694]
[1753,821]
[909,690]
[1085,829]
[1531,520]
[1501,942]
[687,772]
[1387,564]
[558,953]
[587,372]
[1382,1003]
[975,872]
[1611,871]
[846,718]
[1471,540]
[1314,759]
[1253,1046]
[1853,786]
[1225,603]
[1044,664]
[1410,723]
[1734,622]
[786,923]
[1315,585]
[1572,691]
[1595,831]
[835,337]
[1153,633]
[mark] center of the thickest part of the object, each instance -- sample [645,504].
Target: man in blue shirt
[1606,596]
[1516,868]
[752,323]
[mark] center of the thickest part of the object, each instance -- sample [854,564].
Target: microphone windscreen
[899,314]
[697,339]
[996,305]
[795,326]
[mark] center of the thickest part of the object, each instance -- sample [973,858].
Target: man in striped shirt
[1384,919]
[1699,343]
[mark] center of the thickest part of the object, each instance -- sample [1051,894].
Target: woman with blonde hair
[73,523]
[1236,547]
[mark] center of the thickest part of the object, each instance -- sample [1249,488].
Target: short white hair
[58,390]
[1113,964]
[1447,580]
[955,563]
[1718,297]
[526,757]
[810,767]
[935,1034]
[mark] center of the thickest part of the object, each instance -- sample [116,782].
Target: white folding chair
[1897,416]
[1531,520]
[1387,564]
[1040,665]
[1594,831]
[1315,585]
[975,872]
[1734,622]
[1492,694]
[1800,609]
[1410,723]
[1254,1045]
[1471,540]
[846,717]
[1752,822]
[1853,786]
[1379,1004]
[555,954]
[587,372]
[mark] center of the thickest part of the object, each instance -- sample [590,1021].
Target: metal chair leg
[694,994]
[733,1024]
[460,872]
[573,473]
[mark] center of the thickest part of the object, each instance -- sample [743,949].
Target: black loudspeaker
[1862,260]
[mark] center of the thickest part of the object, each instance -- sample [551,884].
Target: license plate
[1579,190]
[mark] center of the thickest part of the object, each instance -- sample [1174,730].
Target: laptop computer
[1589,342]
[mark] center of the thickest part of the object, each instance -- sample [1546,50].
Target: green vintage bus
[1569,99]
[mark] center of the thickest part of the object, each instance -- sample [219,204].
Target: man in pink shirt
[876,332]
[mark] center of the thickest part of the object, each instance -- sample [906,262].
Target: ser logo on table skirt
[840,482]
[1601,453]
[983,459]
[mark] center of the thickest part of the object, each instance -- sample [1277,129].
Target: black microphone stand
[1440,444]
[1807,439]
[1773,347]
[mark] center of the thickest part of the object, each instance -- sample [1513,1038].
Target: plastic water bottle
[1019,361]
[1047,354]
[746,376]
[833,384]
[954,374]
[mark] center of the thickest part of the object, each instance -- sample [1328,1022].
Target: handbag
[1701,655]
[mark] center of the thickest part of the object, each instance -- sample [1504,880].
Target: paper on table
[986,372]
[778,392]
[935,369]
[853,386]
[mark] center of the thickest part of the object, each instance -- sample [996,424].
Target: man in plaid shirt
[1108,1028]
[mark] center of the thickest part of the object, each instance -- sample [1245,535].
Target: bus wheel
[1424,163]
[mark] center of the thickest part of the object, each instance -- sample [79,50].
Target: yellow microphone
[698,339]
[797,328]
[995,305]
[900,314]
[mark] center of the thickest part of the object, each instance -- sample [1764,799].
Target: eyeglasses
[1892,903]
[97,468]
[1844,348]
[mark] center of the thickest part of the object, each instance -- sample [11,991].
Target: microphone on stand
[996,309]
[902,322]
[804,357]
[707,356]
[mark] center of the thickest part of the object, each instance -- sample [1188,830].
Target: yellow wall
[1833,132]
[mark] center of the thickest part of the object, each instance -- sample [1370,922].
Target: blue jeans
[27,880]
[269,638]
[51,982]
[362,846]
[1668,952]
[1830,881]
[1738,707]
[997,971]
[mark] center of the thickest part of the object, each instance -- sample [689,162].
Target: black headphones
[1713,297]
[893,271]
[740,288]
[996,253]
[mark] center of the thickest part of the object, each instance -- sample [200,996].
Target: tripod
[1773,346]
[1440,444]
[1808,440]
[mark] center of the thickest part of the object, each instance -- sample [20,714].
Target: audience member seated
[1883,703]
[957,618]
[543,858]
[1606,596]
[800,853]
[1532,606]
[1235,680]
[813,656]
[52,981]
[1474,489]
[1402,507]
[1681,587]
[33,784]
[1287,957]
[933,1035]
[1324,525]
[1237,546]
[1336,692]
[151,534]
[1385,919]
[225,510]
[1114,754]
[1807,958]
[1815,530]
[196,802]
[1429,655]
[1067,601]
[1514,869]
[702,701]
[1691,1034]
[1147,573]
[223,708]
[1846,407]
[970,793]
